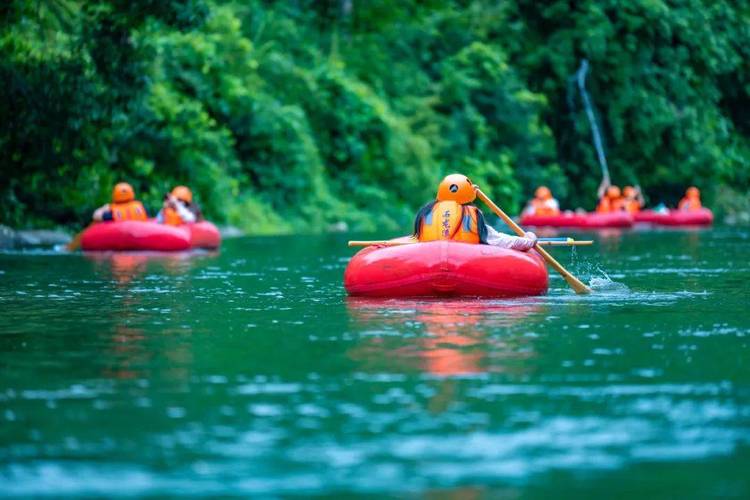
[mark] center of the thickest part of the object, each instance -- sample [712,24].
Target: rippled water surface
[249,372]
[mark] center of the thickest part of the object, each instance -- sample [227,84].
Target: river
[250,372]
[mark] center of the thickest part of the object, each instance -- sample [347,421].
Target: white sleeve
[502,240]
[185,214]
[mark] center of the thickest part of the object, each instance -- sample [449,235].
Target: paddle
[75,243]
[553,242]
[574,282]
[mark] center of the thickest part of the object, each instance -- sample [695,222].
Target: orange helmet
[123,193]
[629,192]
[613,192]
[458,188]
[183,193]
[693,192]
[543,193]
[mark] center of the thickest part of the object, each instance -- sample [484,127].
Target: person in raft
[452,217]
[178,208]
[632,199]
[610,198]
[543,204]
[691,200]
[124,206]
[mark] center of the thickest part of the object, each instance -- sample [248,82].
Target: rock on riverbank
[11,238]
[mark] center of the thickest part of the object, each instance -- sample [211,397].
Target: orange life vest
[449,220]
[632,206]
[607,204]
[690,204]
[171,217]
[541,207]
[132,210]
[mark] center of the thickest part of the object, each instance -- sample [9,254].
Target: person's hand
[99,213]
[170,201]
[531,236]
[602,187]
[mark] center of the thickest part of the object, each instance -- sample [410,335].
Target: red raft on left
[149,235]
[445,269]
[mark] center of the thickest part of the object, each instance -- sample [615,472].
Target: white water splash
[604,283]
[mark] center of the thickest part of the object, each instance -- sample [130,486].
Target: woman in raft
[691,200]
[452,217]
[543,203]
[632,199]
[178,208]
[610,199]
[124,206]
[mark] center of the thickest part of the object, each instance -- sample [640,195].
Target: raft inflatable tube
[591,220]
[445,269]
[203,235]
[702,217]
[149,235]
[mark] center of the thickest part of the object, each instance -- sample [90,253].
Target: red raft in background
[445,268]
[700,217]
[589,220]
[149,235]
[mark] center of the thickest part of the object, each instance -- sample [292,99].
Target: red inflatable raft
[445,268]
[149,235]
[590,220]
[702,217]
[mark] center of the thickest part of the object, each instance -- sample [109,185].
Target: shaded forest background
[290,116]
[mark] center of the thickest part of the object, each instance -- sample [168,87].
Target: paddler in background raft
[543,203]
[178,208]
[610,200]
[124,206]
[691,200]
[452,217]
[632,201]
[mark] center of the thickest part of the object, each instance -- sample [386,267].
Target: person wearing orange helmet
[691,200]
[179,208]
[451,216]
[124,206]
[543,203]
[632,199]
[611,201]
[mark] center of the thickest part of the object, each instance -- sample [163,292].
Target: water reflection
[149,281]
[442,337]
[124,267]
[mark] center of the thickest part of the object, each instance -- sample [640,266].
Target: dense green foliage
[289,116]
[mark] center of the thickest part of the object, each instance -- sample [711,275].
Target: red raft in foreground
[148,235]
[701,217]
[591,220]
[445,268]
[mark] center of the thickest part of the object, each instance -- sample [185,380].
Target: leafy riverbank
[292,116]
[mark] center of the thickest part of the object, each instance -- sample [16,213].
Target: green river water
[249,372]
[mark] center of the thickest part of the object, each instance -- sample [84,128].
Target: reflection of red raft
[148,235]
[445,268]
[701,217]
[590,220]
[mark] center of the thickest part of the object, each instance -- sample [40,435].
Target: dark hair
[421,215]
[481,227]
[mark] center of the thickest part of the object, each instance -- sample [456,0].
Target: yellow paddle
[569,242]
[574,282]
